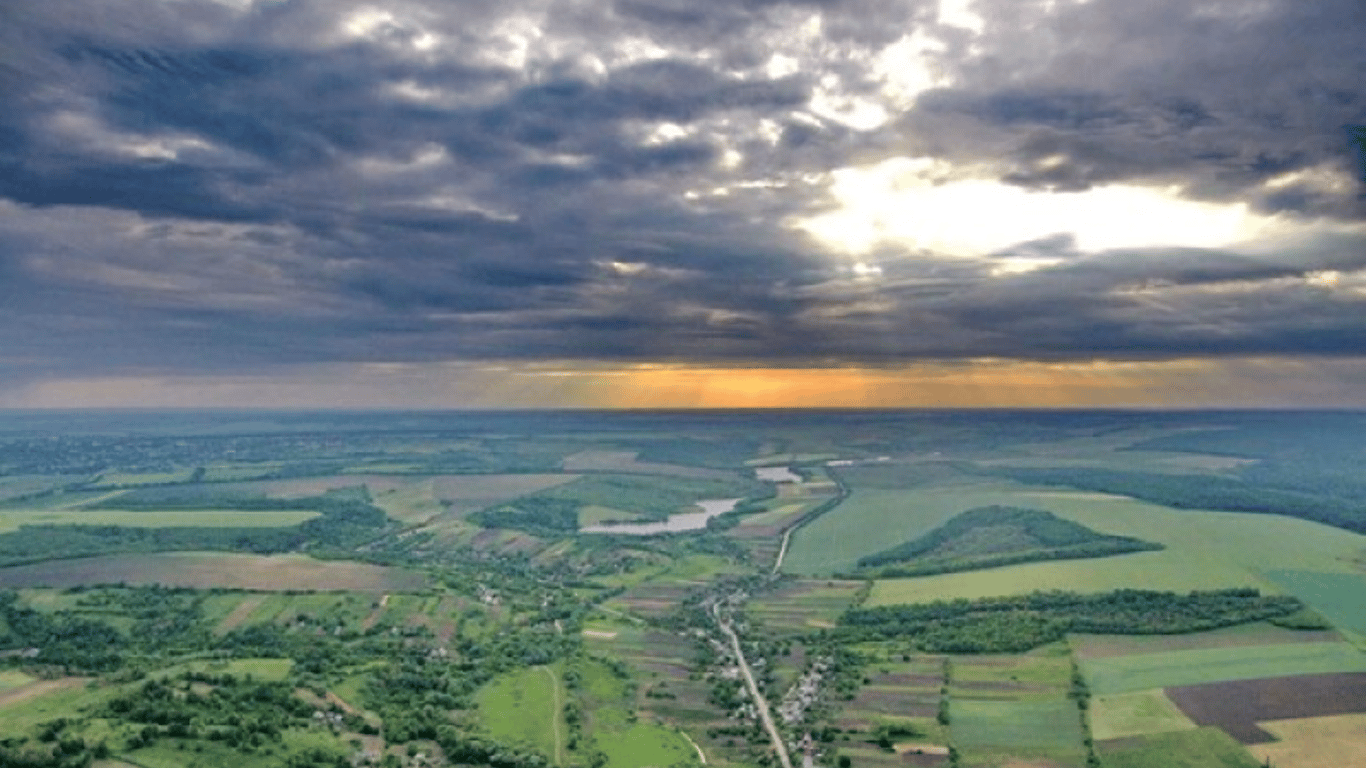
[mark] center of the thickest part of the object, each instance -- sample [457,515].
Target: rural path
[760,703]
[841,493]
[555,715]
[700,754]
[782,551]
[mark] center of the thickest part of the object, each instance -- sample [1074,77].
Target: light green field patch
[1255,633]
[144,478]
[1201,748]
[1118,715]
[264,670]
[1038,670]
[13,678]
[520,708]
[413,503]
[1339,597]
[646,744]
[12,519]
[228,570]
[1204,550]
[1122,674]
[43,700]
[68,499]
[872,519]
[1049,726]
[595,514]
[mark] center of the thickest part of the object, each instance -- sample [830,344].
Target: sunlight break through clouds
[900,202]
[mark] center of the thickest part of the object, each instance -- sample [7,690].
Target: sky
[679,203]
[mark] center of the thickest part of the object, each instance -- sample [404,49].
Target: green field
[13,678]
[1255,633]
[1199,748]
[1119,715]
[1122,674]
[1205,550]
[524,707]
[628,742]
[216,569]
[1339,597]
[264,670]
[12,519]
[1052,727]
[872,519]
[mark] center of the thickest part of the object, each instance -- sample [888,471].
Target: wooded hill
[989,537]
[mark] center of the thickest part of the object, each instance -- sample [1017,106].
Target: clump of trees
[1019,623]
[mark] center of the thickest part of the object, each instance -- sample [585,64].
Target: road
[760,703]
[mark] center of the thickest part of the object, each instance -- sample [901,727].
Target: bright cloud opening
[907,202]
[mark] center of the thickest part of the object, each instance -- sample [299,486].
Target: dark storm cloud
[218,186]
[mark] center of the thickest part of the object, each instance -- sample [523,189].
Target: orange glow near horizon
[1248,382]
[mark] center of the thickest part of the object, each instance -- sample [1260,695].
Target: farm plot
[873,518]
[1320,742]
[904,691]
[13,519]
[988,731]
[625,461]
[524,708]
[803,605]
[1120,715]
[1237,706]
[1199,748]
[207,570]
[627,741]
[1339,597]
[1045,675]
[465,493]
[1122,674]
[662,664]
[1243,635]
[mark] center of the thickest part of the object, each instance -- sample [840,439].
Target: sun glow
[993,383]
[915,203]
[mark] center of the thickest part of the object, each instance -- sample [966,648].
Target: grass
[1339,597]
[628,742]
[1051,726]
[641,744]
[213,569]
[1205,550]
[1138,713]
[520,708]
[12,519]
[1159,670]
[13,678]
[870,519]
[265,670]
[1242,635]
[1200,748]
[803,605]
[44,700]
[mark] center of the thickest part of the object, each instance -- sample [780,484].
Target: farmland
[417,590]
[209,570]
[1180,668]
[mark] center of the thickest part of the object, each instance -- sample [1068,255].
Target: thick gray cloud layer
[228,185]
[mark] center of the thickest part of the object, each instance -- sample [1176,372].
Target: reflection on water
[687,521]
